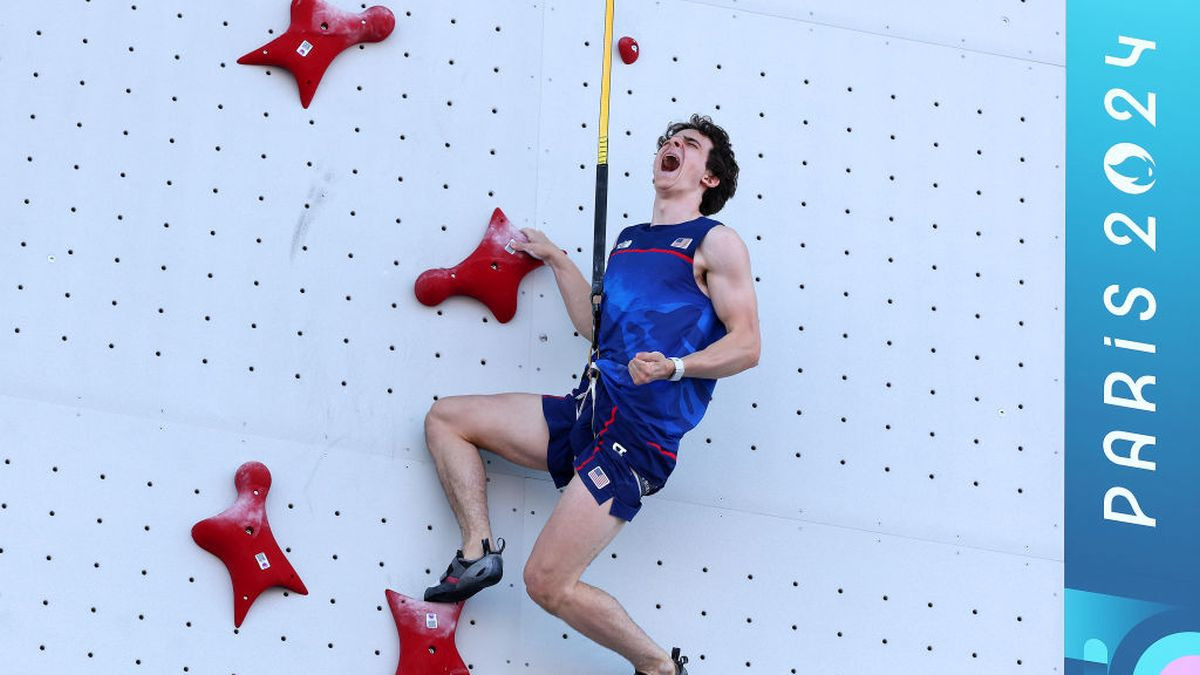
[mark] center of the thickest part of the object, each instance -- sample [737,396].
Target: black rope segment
[599,249]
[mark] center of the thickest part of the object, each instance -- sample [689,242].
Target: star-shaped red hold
[426,636]
[491,274]
[241,537]
[317,34]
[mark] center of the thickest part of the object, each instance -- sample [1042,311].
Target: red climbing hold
[426,636]
[317,34]
[241,537]
[491,274]
[629,49]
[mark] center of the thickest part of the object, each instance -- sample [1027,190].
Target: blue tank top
[653,304]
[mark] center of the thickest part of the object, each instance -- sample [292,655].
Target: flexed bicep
[730,283]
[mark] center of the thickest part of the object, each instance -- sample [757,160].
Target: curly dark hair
[721,162]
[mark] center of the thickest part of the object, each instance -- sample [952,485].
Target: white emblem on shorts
[599,478]
[682,242]
[625,244]
[620,449]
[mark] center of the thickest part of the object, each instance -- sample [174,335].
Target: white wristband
[678,369]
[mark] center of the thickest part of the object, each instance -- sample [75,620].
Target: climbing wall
[195,272]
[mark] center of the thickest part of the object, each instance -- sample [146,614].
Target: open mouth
[670,162]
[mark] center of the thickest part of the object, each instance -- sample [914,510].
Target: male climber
[678,312]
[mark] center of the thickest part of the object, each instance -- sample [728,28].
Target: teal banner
[1132,338]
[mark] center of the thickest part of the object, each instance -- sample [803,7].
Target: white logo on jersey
[625,244]
[682,242]
[620,449]
[599,478]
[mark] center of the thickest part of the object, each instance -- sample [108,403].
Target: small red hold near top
[317,34]
[491,274]
[629,49]
[241,537]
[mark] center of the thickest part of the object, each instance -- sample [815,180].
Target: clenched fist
[650,366]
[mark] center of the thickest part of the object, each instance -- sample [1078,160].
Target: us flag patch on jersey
[599,478]
[682,242]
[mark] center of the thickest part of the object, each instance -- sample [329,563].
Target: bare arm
[731,289]
[576,291]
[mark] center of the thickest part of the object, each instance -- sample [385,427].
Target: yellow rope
[602,155]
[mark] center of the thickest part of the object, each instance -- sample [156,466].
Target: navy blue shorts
[605,448]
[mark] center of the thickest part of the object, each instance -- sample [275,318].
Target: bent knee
[441,414]
[544,588]
[439,424]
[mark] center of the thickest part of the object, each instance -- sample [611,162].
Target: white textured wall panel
[196,272]
[1025,29]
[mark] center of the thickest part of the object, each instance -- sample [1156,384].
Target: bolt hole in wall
[196,271]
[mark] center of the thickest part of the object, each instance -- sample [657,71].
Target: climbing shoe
[464,578]
[679,661]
